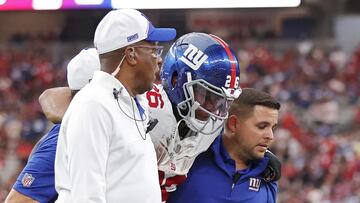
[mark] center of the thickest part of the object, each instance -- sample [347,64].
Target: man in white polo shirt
[104,153]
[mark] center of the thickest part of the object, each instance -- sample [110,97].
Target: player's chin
[259,152]
[201,115]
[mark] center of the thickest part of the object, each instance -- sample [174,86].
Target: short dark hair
[248,99]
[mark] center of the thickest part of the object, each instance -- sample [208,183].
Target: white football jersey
[175,156]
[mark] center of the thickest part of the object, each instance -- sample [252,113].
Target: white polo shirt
[103,154]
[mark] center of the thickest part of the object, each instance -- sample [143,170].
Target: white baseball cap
[81,68]
[122,27]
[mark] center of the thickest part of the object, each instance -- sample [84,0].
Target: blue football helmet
[201,74]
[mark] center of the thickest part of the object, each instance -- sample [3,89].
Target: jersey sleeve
[36,180]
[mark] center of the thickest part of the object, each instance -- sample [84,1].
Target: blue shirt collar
[141,109]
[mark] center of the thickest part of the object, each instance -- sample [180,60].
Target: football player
[199,81]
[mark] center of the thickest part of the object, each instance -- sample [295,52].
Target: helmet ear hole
[174,78]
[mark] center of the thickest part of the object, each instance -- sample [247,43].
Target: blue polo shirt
[213,179]
[37,178]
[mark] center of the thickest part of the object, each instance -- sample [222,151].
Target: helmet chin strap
[194,123]
[116,71]
[205,127]
[193,108]
[190,119]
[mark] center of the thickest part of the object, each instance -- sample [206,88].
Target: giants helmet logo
[193,57]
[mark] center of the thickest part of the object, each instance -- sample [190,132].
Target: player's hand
[169,184]
[273,169]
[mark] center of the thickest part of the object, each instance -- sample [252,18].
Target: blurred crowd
[25,71]
[318,139]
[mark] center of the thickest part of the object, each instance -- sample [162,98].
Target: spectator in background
[230,170]
[36,181]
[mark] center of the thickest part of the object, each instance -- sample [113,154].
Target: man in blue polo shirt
[230,170]
[36,181]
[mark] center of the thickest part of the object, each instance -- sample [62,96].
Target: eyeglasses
[157,50]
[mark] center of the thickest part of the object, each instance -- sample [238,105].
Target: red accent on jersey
[154,98]
[155,88]
[171,182]
[231,57]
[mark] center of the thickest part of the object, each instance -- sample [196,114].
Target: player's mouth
[263,147]
[202,115]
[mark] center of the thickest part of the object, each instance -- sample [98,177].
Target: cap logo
[132,37]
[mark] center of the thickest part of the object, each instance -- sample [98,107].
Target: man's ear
[231,123]
[130,55]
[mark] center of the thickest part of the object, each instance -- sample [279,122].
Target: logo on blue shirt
[254,184]
[27,180]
